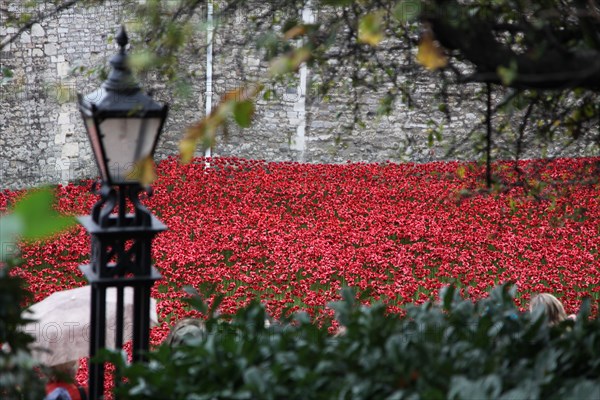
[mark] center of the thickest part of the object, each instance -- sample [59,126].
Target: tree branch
[553,68]
[68,4]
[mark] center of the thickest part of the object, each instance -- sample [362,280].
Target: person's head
[65,372]
[184,329]
[550,305]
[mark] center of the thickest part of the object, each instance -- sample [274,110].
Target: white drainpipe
[299,140]
[209,64]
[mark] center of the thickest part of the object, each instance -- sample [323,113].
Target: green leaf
[585,310]
[527,390]
[214,306]
[386,104]
[370,29]
[255,379]
[40,221]
[267,95]
[508,74]
[584,390]
[141,60]
[447,295]
[281,65]
[243,112]
[488,387]
[349,295]
[7,72]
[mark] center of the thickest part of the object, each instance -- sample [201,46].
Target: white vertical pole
[209,63]
[299,140]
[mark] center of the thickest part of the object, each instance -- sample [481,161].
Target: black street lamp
[123,122]
[123,125]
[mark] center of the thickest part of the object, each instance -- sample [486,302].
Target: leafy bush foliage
[451,349]
[18,380]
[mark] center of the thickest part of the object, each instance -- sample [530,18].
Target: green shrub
[18,379]
[452,349]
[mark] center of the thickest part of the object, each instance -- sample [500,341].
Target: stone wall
[328,133]
[42,138]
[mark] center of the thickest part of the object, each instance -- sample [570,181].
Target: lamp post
[123,125]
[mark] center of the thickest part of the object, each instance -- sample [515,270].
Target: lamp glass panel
[127,141]
[96,146]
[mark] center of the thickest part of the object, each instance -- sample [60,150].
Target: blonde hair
[184,329]
[552,307]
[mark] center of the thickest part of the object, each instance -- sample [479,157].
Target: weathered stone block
[64,118]
[62,69]
[50,49]
[70,150]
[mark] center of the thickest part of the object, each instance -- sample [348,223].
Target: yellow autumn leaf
[370,29]
[197,130]
[295,31]
[300,56]
[143,171]
[290,62]
[187,147]
[430,53]
[280,65]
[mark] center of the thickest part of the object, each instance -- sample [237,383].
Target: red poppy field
[293,234]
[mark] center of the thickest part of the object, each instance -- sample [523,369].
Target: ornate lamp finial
[122,38]
[120,78]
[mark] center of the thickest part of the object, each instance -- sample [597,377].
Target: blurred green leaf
[38,217]
[243,112]
[268,94]
[370,29]
[447,295]
[142,60]
[508,74]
